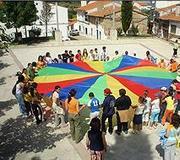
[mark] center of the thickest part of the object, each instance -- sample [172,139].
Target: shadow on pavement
[133,147]
[3,65]
[2,80]
[160,150]
[6,105]
[17,137]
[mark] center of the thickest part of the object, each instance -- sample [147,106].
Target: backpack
[14,89]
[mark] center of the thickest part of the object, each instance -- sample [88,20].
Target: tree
[17,14]
[46,14]
[126,14]
[4,40]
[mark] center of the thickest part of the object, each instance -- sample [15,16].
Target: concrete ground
[23,140]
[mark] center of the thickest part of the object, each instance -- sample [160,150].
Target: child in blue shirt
[94,106]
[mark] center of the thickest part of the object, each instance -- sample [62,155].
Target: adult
[175,48]
[108,110]
[94,106]
[30,71]
[57,106]
[78,55]
[122,105]
[19,95]
[147,107]
[40,63]
[73,109]
[71,57]
[48,58]
[65,57]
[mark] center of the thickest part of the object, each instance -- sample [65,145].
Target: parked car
[74,32]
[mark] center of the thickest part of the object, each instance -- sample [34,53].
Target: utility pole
[58,34]
[113,15]
[57,20]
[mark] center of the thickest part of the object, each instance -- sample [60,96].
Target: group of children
[147,112]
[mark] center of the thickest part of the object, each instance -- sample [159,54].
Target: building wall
[91,29]
[63,22]
[177,24]
[161,4]
[141,21]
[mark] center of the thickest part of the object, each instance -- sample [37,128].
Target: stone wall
[138,19]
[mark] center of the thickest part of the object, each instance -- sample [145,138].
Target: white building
[95,19]
[162,4]
[167,22]
[52,25]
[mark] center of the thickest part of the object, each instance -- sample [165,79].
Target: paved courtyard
[23,140]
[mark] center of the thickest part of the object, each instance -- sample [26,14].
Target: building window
[79,28]
[86,31]
[91,31]
[173,29]
[86,17]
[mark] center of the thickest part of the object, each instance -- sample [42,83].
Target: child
[96,141]
[94,106]
[147,107]
[169,108]
[137,121]
[171,133]
[155,110]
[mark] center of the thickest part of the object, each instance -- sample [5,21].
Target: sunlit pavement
[21,140]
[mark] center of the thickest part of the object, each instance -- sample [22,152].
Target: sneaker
[118,132]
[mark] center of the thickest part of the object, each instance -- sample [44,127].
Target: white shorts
[94,114]
[145,117]
[57,109]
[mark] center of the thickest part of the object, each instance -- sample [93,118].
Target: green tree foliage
[72,6]
[17,14]
[126,14]
[46,15]
[4,40]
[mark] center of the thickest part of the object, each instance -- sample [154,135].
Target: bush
[133,31]
[34,32]
[119,32]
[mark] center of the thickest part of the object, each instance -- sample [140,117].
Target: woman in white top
[19,95]
[57,107]
[48,58]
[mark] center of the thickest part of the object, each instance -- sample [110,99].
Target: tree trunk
[16,30]
[25,31]
[46,29]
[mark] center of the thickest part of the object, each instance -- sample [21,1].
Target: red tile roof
[170,17]
[166,8]
[142,4]
[93,5]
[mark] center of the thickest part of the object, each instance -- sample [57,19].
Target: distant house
[167,22]
[95,19]
[52,25]
[142,5]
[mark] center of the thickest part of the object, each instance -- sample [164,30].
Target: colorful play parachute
[133,74]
